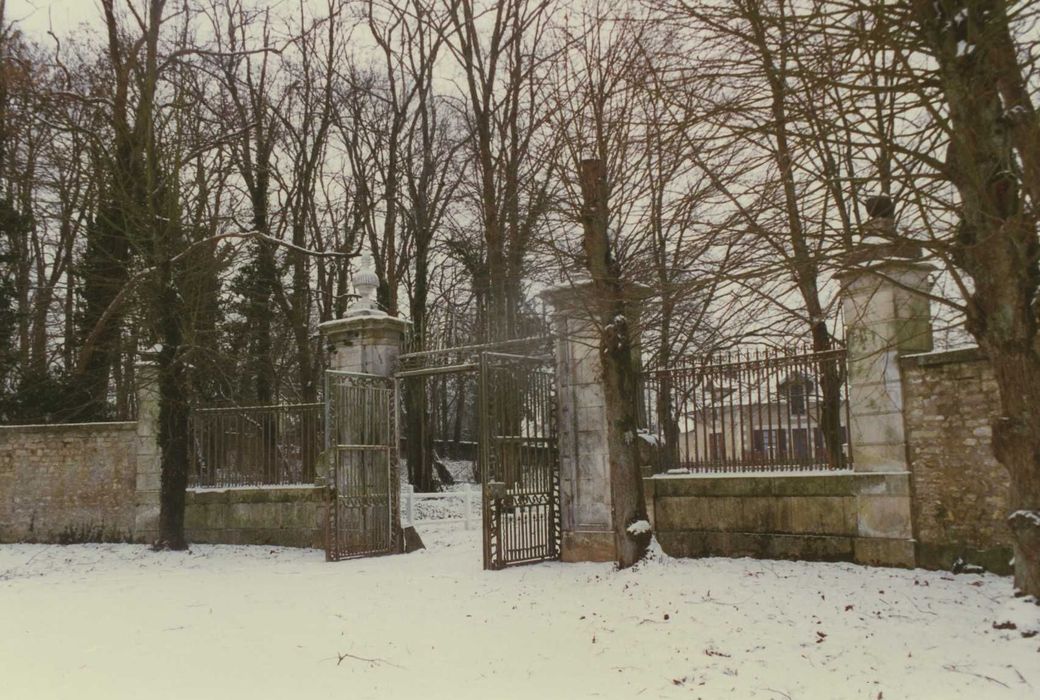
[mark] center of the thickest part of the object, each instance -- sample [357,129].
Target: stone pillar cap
[855,267]
[880,247]
[567,294]
[362,317]
[880,243]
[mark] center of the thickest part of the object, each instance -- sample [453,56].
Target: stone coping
[844,483]
[944,357]
[256,494]
[349,323]
[878,267]
[759,545]
[763,475]
[71,427]
[254,487]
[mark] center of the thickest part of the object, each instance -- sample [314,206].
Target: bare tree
[250,100]
[599,94]
[961,68]
[306,118]
[502,49]
[761,145]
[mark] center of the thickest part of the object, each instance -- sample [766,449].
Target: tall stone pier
[585,500]
[149,459]
[884,299]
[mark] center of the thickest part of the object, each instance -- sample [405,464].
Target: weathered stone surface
[960,490]
[839,484]
[945,556]
[882,483]
[66,483]
[887,315]
[886,516]
[149,459]
[580,545]
[585,501]
[884,319]
[691,543]
[884,552]
[287,517]
[813,515]
[366,344]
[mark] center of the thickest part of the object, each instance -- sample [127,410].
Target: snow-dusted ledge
[288,516]
[812,515]
[763,474]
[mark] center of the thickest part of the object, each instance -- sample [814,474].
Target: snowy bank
[119,621]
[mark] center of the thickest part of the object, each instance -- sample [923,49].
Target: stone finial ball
[880,207]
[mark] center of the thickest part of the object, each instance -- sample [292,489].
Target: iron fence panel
[748,411]
[254,445]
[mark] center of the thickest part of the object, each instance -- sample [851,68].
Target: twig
[951,667]
[918,607]
[778,692]
[1020,676]
[345,655]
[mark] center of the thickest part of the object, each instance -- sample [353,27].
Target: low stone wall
[817,517]
[287,516]
[960,491]
[68,483]
[787,517]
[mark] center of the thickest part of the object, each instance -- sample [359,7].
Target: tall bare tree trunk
[996,242]
[617,354]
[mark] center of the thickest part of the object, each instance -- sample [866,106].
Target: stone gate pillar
[367,340]
[585,500]
[149,458]
[886,315]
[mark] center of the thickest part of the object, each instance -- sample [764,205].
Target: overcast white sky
[34,17]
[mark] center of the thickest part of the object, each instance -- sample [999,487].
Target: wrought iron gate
[361,441]
[519,460]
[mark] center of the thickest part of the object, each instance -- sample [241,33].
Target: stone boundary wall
[68,483]
[90,482]
[286,516]
[960,491]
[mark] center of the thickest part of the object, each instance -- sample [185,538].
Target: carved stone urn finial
[365,284]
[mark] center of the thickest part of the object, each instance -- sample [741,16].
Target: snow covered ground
[118,621]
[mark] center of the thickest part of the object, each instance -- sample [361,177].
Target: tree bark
[173,420]
[611,312]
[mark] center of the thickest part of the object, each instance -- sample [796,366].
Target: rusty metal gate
[361,442]
[519,459]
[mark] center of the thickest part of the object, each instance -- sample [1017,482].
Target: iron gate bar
[446,369]
[232,409]
[344,446]
[476,349]
[533,359]
[254,445]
